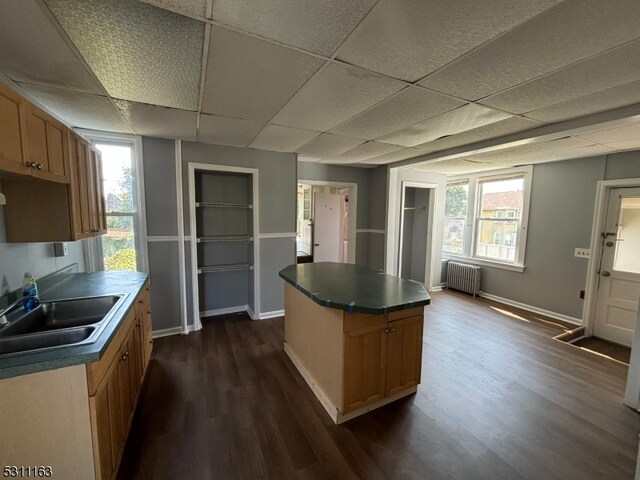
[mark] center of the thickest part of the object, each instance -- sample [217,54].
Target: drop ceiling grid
[613,68]
[282,139]
[127,43]
[252,79]
[363,152]
[156,121]
[328,145]
[221,130]
[410,38]
[556,38]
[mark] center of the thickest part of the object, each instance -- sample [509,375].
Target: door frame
[600,214]
[353,211]
[432,187]
[195,294]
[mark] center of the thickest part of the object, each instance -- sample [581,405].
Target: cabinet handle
[31,164]
[149,312]
[389,330]
[140,301]
[124,356]
[39,166]
[151,341]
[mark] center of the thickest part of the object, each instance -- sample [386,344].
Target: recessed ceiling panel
[597,102]
[611,69]
[553,39]
[190,7]
[408,107]
[282,139]
[364,152]
[318,26]
[33,51]
[154,121]
[335,94]
[228,131]
[408,39]
[459,120]
[138,52]
[328,145]
[80,110]
[250,78]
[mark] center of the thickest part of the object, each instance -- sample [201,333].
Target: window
[455,217]
[493,209]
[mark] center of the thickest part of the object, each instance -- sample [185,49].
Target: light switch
[582,252]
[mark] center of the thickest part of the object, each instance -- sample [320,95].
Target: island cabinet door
[404,354]
[364,365]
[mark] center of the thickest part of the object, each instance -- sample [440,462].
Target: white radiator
[463,277]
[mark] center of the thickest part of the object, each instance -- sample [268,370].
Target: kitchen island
[354,334]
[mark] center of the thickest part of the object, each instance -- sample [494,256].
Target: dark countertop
[79,285]
[354,288]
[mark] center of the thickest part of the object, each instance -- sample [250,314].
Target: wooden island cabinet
[354,334]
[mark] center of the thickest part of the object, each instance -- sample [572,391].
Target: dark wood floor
[500,399]
[603,347]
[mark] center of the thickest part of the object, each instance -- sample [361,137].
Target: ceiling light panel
[228,131]
[138,52]
[154,121]
[328,145]
[408,107]
[335,94]
[250,78]
[318,26]
[553,39]
[408,39]
[364,152]
[197,8]
[486,132]
[608,70]
[33,51]
[282,139]
[597,102]
[80,109]
[456,121]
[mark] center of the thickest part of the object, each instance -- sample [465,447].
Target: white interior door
[619,285]
[327,227]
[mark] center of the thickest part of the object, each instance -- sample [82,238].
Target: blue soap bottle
[30,289]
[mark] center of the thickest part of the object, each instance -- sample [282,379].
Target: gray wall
[36,258]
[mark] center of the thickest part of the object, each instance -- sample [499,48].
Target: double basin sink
[77,321]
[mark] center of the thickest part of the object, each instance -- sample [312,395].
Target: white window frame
[471,230]
[94,260]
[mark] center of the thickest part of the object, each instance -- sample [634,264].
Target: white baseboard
[224,311]
[272,314]
[437,288]
[531,308]
[251,313]
[167,332]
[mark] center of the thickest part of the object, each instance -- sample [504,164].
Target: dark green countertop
[354,288]
[128,284]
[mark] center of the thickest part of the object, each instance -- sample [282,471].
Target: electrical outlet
[582,252]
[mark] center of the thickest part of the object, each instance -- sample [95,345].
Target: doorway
[618,286]
[414,233]
[326,222]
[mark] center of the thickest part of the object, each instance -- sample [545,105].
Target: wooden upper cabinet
[47,147]
[79,165]
[13,155]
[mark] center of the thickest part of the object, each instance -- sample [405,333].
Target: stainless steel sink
[59,323]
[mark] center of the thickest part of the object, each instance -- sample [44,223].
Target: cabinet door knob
[31,164]
[389,330]
[39,166]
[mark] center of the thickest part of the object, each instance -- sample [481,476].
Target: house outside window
[491,227]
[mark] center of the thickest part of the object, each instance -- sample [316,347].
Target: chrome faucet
[5,311]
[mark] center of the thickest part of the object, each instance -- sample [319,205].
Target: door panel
[328,227]
[619,282]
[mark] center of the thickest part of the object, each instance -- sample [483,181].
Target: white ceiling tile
[396,156]
[318,26]
[408,107]
[155,121]
[139,52]
[328,145]
[81,110]
[302,158]
[614,68]
[456,121]
[282,139]
[554,155]
[524,153]
[364,152]
[627,144]
[410,38]
[250,78]
[597,102]
[609,135]
[455,166]
[335,94]
[486,132]
[553,39]
[33,51]
[228,131]
[190,7]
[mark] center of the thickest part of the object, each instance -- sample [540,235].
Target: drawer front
[357,321]
[409,312]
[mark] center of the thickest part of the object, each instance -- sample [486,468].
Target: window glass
[627,254]
[456,205]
